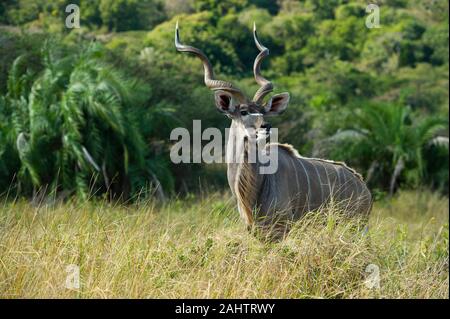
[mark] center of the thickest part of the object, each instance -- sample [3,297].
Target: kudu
[272,201]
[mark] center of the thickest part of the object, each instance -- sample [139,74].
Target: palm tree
[77,126]
[388,141]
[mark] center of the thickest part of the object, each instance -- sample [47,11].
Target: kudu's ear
[277,104]
[224,101]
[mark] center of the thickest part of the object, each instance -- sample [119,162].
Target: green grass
[198,247]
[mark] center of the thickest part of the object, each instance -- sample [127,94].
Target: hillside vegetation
[77,116]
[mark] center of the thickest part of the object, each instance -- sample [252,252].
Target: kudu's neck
[239,149]
[242,175]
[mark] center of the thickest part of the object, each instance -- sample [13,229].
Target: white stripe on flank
[344,185]
[320,183]
[338,179]
[353,197]
[307,180]
[328,178]
[358,196]
[296,178]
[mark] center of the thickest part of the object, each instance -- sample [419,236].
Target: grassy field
[198,247]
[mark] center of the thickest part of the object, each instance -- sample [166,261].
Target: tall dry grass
[198,247]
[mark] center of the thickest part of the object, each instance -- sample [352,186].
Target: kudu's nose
[267,126]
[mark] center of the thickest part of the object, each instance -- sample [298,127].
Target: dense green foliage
[75,121]
[78,117]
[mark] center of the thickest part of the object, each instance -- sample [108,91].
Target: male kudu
[300,184]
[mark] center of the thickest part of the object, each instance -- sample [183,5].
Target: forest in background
[91,109]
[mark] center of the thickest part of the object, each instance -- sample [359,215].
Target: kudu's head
[230,100]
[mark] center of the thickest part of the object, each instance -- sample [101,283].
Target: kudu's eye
[243,113]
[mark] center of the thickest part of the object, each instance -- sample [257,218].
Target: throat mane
[245,187]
